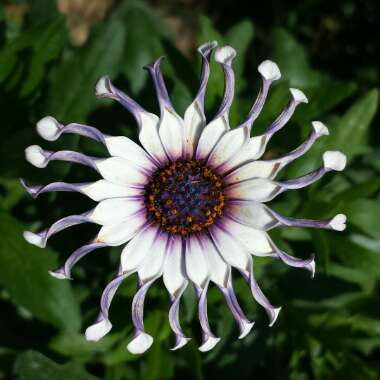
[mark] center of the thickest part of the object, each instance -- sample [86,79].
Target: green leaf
[32,365]
[365,215]
[143,22]
[75,78]
[293,61]
[239,37]
[24,274]
[29,54]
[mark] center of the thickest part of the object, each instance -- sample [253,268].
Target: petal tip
[207,47]
[320,128]
[298,95]
[98,330]
[48,128]
[338,222]
[334,160]
[225,55]
[34,154]
[35,239]
[246,329]
[102,87]
[209,344]
[140,343]
[269,70]
[274,316]
[181,341]
[59,274]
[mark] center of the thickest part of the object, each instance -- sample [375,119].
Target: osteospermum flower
[189,205]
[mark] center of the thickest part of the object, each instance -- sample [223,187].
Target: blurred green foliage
[329,328]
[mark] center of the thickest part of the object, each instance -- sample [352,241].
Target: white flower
[189,204]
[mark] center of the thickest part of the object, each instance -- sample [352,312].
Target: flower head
[189,205]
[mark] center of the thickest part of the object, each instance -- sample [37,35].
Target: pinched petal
[209,340]
[194,117]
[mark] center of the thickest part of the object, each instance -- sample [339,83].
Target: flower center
[184,197]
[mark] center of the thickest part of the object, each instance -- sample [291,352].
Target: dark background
[52,53]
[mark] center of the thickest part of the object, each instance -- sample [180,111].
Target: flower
[189,205]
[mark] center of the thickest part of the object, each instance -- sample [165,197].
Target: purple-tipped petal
[65,270]
[39,239]
[141,341]
[209,340]
[102,325]
[105,89]
[159,85]
[36,190]
[195,119]
[269,72]
[180,338]
[205,51]
[50,129]
[337,223]
[259,296]
[225,55]
[270,168]
[41,158]
[242,321]
[297,97]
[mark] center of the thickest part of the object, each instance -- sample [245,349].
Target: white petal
[154,260]
[174,274]
[338,223]
[120,233]
[103,189]
[256,241]
[230,248]
[98,330]
[230,144]
[149,137]
[269,70]
[140,343]
[210,136]
[101,87]
[195,121]
[334,160]
[136,250]
[252,214]
[171,130]
[112,211]
[249,152]
[124,147]
[255,169]
[196,264]
[122,172]
[256,189]
[209,344]
[217,266]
